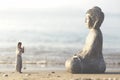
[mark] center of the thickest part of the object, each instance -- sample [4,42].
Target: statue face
[87,21]
[94,18]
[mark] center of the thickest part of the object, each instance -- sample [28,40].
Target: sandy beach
[57,75]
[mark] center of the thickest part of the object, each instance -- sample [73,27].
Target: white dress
[19,52]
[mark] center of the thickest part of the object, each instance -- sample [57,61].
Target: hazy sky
[11,20]
[106,5]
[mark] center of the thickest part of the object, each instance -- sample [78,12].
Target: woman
[19,51]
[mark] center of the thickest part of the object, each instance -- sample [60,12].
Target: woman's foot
[20,72]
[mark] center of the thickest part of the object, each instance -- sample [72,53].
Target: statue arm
[89,46]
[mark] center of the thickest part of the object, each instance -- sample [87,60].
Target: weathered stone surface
[73,65]
[91,57]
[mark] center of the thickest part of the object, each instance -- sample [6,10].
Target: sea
[51,36]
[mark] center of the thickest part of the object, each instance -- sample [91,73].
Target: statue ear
[95,24]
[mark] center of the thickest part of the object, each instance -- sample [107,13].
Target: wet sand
[57,75]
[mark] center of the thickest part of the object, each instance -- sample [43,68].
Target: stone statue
[90,59]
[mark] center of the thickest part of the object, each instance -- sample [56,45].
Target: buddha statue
[90,58]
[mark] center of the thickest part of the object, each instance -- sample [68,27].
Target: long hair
[19,43]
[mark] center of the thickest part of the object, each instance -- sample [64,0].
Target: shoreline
[61,59]
[112,64]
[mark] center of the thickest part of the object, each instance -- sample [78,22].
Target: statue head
[94,18]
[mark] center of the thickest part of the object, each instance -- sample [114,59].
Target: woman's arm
[23,50]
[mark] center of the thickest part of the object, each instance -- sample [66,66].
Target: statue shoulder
[95,32]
